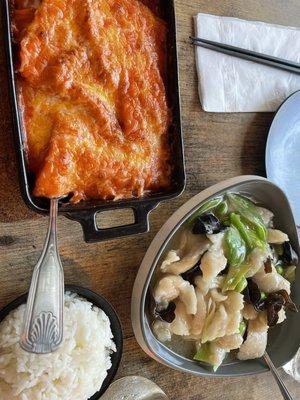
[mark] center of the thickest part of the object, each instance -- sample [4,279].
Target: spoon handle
[284,391]
[43,321]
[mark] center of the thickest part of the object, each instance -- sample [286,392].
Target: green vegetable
[205,355]
[279,269]
[208,321]
[235,220]
[290,273]
[235,248]
[255,240]
[263,296]
[235,276]
[226,221]
[222,209]
[236,238]
[241,285]
[249,213]
[249,236]
[205,207]
[242,328]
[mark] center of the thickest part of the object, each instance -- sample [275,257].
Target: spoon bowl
[134,388]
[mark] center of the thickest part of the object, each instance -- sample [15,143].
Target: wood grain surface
[217,146]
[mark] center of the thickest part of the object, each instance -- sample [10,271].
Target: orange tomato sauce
[94,106]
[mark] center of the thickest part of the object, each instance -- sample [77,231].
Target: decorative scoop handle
[43,321]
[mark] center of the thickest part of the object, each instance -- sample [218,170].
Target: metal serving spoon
[284,391]
[134,388]
[43,321]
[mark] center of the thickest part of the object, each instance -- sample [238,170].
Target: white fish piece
[271,282]
[162,331]
[213,261]
[217,296]
[275,236]
[234,305]
[248,312]
[233,324]
[189,298]
[171,287]
[223,314]
[219,348]
[190,252]
[182,322]
[254,346]
[199,318]
[266,215]
[235,301]
[256,342]
[216,326]
[256,260]
[216,283]
[171,257]
[202,285]
[216,239]
[230,342]
[217,354]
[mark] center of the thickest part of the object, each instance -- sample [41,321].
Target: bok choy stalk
[235,252]
[249,236]
[241,286]
[222,209]
[242,328]
[247,210]
[206,355]
[240,238]
[205,207]
[203,354]
[235,278]
[235,248]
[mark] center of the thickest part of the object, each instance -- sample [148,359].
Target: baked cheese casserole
[93,100]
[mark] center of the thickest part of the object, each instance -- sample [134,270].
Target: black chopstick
[247,54]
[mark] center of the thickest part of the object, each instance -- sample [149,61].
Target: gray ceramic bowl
[283,341]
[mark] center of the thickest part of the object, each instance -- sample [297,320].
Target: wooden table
[217,146]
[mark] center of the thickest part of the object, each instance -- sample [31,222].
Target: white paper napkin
[229,84]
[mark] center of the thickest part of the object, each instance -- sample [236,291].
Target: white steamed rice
[74,372]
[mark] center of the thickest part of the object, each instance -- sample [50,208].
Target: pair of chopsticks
[247,54]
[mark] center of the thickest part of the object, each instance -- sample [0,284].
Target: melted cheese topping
[93,98]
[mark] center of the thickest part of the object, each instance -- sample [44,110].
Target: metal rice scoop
[43,322]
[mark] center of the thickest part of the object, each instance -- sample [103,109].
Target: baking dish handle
[92,233]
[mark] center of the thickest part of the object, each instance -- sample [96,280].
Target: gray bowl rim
[176,220]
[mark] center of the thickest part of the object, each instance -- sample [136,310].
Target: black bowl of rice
[84,365]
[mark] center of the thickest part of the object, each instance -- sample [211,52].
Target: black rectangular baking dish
[86,211]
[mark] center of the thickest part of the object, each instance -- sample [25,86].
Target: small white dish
[283,151]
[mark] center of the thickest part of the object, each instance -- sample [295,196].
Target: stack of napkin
[230,84]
